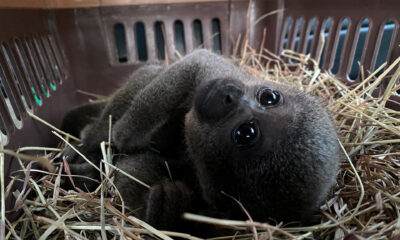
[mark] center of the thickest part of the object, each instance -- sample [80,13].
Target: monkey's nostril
[228,99]
[216,100]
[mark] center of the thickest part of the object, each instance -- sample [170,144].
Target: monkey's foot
[166,202]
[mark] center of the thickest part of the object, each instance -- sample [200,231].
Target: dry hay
[364,203]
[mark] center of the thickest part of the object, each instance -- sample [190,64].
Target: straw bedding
[364,203]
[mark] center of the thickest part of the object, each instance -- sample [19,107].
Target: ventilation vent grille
[31,68]
[342,45]
[139,41]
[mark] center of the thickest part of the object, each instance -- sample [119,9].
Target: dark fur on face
[218,129]
[285,173]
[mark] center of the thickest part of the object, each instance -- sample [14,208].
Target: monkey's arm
[117,105]
[171,89]
[91,122]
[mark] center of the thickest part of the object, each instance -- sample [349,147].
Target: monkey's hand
[162,204]
[166,202]
[84,175]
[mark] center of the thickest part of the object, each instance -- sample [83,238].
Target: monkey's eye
[246,133]
[268,97]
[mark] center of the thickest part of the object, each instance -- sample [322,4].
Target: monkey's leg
[117,105]
[163,204]
[171,89]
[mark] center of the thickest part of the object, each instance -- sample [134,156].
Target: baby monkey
[201,132]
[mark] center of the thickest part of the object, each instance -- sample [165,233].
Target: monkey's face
[234,130]
[256,142]
[242,117]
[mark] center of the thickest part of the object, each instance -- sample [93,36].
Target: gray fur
[285,175]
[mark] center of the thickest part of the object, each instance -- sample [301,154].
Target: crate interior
[51,49]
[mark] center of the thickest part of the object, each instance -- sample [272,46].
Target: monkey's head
[270,146]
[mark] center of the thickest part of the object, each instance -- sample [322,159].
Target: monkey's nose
[216,100]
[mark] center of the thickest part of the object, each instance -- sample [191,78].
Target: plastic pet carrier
[52,48]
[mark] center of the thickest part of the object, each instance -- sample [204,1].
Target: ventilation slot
[293,36]
[300,26]
[362,36]
[386,43]
[4,116]
[3,92]
[343,33]
[179,37]
[45,63]
[15,70]
[3,133]
[160,40]
[22,74]
[53,65]
[26,63]
[57,53]
[198,33]
[37,68]
[216,33]
[13,83]
[9,92]
[286,29]
[141,45]
[326,28]
[120,42]
[311,36]
[293,31]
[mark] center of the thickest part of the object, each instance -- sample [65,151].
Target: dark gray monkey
[268,145]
